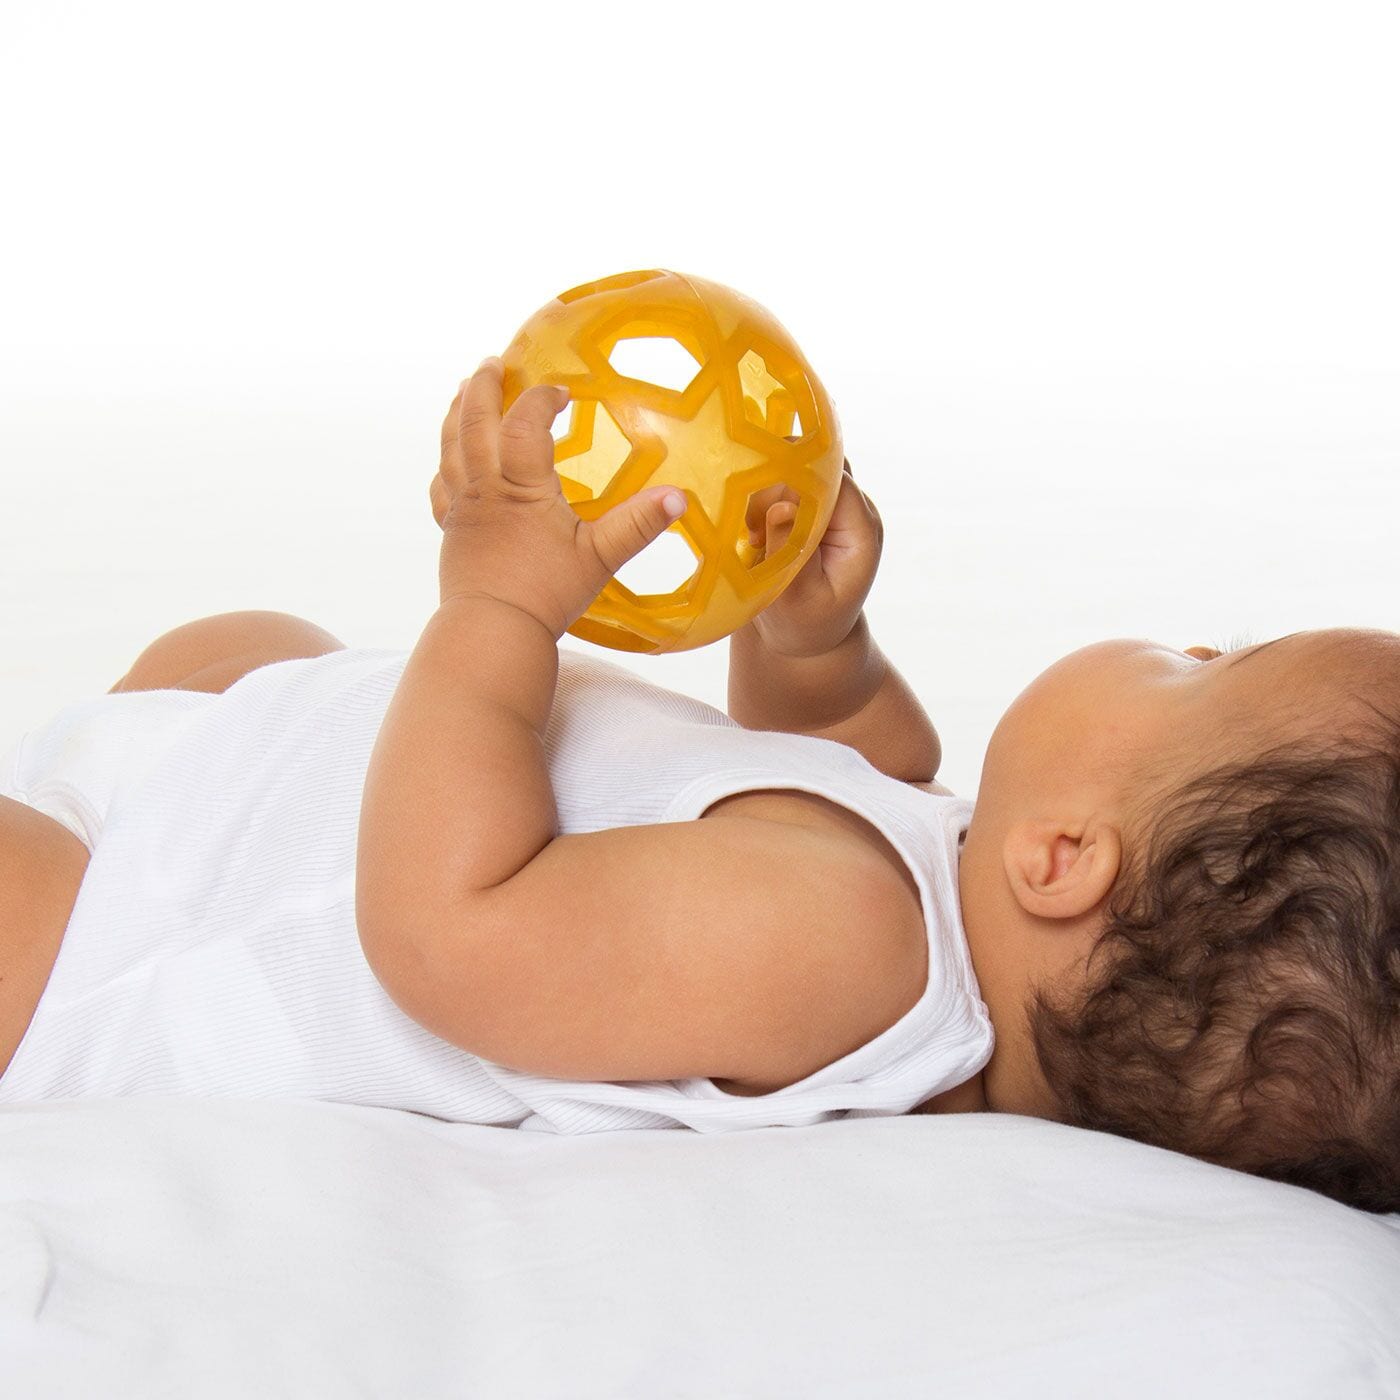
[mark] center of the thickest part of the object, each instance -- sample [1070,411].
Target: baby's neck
[968,1097]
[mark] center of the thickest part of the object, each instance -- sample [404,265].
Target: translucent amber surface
[738,389]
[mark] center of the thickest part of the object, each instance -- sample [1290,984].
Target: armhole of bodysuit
[63,803]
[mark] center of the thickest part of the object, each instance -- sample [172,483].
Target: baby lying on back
[1180,885]
[500,882]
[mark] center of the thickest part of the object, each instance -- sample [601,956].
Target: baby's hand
[816,611]
[508,533]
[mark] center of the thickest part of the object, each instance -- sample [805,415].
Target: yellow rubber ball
[743,414]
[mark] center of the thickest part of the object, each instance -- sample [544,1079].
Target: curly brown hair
[1242,1003]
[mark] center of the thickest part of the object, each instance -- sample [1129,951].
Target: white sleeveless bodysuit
[212,949]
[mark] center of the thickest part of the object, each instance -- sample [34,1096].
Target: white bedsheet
[180,1247]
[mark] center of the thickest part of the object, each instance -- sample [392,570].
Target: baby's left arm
[807,663]
[852,694]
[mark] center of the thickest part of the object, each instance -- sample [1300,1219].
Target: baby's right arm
[726,948]
[735,948]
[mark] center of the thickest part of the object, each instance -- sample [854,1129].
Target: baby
[1180,885]
[1175,900]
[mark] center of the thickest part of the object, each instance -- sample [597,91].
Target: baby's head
[1181,890]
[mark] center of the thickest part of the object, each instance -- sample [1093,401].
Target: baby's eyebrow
[1256,650]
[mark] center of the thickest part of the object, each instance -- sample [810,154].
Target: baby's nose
[1202,653]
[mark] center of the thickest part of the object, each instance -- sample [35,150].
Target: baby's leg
[214,652]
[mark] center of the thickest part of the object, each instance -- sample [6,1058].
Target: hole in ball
[662,567]
[655,359]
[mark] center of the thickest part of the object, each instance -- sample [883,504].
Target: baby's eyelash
[1236,643]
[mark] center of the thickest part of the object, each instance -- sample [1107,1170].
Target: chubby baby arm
[807,663]
[852,694]
[666,951]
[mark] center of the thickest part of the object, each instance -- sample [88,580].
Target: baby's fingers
[527,447]
[778,526]
[854,510]
[756,512]
[479,417]
[438,498]
[448,443]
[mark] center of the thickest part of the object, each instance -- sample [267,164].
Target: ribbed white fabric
[213,950]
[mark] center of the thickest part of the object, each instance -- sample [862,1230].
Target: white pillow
[290,1247]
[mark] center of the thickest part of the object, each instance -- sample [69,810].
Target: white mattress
[188,1247]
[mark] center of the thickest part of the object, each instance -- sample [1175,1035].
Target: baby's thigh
[212,653]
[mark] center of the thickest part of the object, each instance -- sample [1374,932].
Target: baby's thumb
[628,528]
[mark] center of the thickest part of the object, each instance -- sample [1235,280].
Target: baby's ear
[1059,870]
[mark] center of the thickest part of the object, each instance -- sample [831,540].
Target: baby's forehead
[1356,649]
[1325,674]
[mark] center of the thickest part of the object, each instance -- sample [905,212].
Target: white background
[1107,297]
